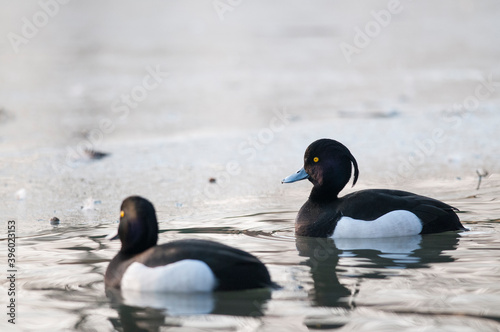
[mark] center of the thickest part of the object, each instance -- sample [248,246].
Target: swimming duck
[370,213]
[180,266]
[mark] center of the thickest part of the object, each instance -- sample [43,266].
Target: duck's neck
[116,268]
[323,194]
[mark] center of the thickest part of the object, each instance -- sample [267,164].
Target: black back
[234,269]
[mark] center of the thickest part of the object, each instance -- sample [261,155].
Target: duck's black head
[138,229]
[327,164]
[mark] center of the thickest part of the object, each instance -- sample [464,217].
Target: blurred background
[203,107]
[178,93]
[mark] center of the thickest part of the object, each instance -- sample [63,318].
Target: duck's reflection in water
[146,311]
[375,256]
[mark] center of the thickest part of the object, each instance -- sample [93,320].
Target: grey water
[203,112]
[445,282]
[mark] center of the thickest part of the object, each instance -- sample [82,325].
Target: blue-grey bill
[300,175]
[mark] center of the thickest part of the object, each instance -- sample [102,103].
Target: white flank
[392,224]
[184,276]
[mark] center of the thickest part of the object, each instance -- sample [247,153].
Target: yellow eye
[122,214]
[316,159]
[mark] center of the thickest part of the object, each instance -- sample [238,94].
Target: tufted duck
[178,266]
[367,213]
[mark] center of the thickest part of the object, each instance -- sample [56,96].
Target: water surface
[448,282]
[243,98]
